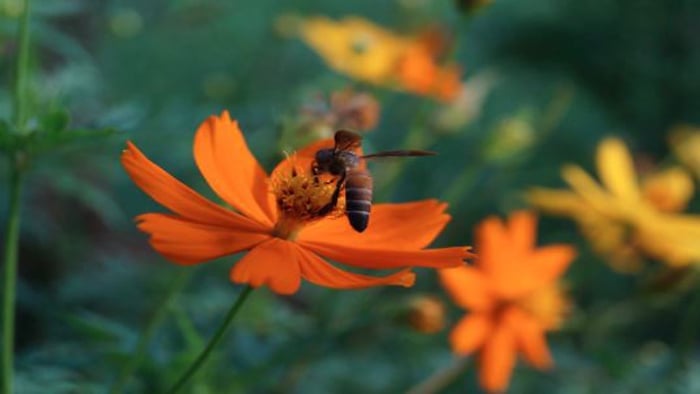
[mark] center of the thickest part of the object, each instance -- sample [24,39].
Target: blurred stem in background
[442,378]
[17,163]
[20,94]
[157,317]
[212,342]
[10,279]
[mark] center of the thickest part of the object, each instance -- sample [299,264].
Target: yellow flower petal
[616,169]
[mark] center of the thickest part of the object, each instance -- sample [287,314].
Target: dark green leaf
[56,121]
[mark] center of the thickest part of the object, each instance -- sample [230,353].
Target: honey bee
[342,162]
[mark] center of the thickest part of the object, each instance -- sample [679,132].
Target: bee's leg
[315,171]
[334,198]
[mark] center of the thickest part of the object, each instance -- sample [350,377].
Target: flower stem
[212,342]
[159,314]
[12,230]
[10,279]
[20,93]
[440,379]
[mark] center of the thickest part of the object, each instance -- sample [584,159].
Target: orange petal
[493,245]
[470,333]
[184,242]
[549,262]
[497,360]
[274,263]
[229,168]
[176,196]
[363,257]
[317,271]
[533,270]
[530,339]
[406,226]
[467,286]
[522,226]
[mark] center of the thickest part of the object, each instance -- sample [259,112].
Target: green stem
[20,93]
[212,342]
[159,314]
[10,279]
[440,379]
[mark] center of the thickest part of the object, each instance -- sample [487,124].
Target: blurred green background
[566,72]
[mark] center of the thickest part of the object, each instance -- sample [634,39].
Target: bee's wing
[399,153]
[346,140]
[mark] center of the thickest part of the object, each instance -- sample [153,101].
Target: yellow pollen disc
[302,198]
[548,305]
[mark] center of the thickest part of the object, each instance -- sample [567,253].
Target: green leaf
[48,140]
[56,121]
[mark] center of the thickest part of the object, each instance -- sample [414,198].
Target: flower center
[548,305]
[303,198]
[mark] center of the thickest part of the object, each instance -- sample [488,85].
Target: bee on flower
[282,220]
[370,53]
[513,296]
[629,216]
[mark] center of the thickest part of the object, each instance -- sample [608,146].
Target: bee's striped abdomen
[358,198]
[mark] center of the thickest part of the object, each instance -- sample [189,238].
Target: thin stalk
[159,314]
[21,78]
[212,342]
[440,379]
[13,219]
[10,279]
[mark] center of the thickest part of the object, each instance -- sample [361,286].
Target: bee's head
[324,157]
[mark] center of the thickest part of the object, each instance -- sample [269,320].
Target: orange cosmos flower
[513,296]
[280,219]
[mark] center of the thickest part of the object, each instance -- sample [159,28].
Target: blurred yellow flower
[685,143]
[626,217]
[368,52]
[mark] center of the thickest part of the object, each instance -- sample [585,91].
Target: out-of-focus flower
[466,106]
[321,116]
[368,52]
[685,143]
[426,314]
[346,109]
[281,220]
[626,219]
[510,138]
[513,296]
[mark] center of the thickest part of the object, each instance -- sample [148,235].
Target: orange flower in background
[513,295]
[370,53]
[280,220]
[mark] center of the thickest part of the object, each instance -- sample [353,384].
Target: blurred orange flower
[627,214]
[280,219]
[368,52]
[513,295]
